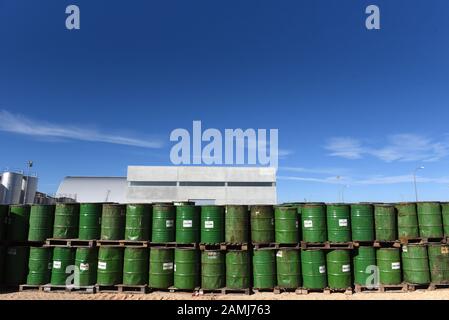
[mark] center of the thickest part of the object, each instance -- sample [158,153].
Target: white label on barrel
[322,269]
[56,264]
[169,223]
[404,249]
[343,222]
[208,224]
[395,265]
[101,265]
[345,268]
[174,267]
[12,251]
[167,266]
[84,266]
[212,254]
[279,254]
[308,223]
[187,223]
[444,250]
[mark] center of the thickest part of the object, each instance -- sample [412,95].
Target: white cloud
[330,171]
[399,147]
[21,125]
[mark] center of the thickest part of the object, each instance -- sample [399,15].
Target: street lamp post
[414,181]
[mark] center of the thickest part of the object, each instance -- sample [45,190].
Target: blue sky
[367,106]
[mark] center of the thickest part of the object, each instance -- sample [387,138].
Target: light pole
[343,193]
[414,181]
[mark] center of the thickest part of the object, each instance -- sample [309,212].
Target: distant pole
[339,191]
[414,181]
[343,193]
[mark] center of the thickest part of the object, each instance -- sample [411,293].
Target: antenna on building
[107,195]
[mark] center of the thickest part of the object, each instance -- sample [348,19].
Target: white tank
[29,188]
[12,183]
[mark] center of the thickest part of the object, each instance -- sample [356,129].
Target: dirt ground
[440,294]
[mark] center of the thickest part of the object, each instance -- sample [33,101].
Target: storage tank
[29,188]
[12,184]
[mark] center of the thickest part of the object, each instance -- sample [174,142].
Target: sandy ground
[440,294]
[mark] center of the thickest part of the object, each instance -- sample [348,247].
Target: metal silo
[29,188]
[12,183]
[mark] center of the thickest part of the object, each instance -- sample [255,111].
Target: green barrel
[39,266]
[212,269]
[62,258]
[187,271]
[339,269]
[264,269]
[18,223]
[238,269]
[338,222]
[286,225]
[364,261]
[362,222]
[439,263]
[389,263]
[288,268]
[113,222]
[430,220]
[161,268]
[66,221]
[3,220]
[407,221]
[16,265]
[135,266]
[415,264]
[163,223]
[299,212]
[110,266]
[445,217]
[262,224]
[86,262]
[236,224]
[313,265]
[90,221]
[313,216]
[385,222]
[41,222]
[187,224]
[212,224]
[138,221]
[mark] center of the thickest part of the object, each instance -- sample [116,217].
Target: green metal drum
[364,262]
[161,268]
[389,263]
[110,266]
[385,222]
[264,269]
[407,220]
[415,264]
[188,224]
[338,222]
[16,265]
[288,266]
[430,220]
[212,269]
[138,221]
[90,221]
[362,222]
[286,225]
[262,224]
[41,222]
[86,262]
[238,268]
[313,224]
[163,223]
[113,222]
[236,224]
[62,258]
[3,220]
[66,224]
[445,217]
[212,224]
[39,266]
[313,264]
[18,223]
[186,269]
[135,266]
[339,269]
[439,263]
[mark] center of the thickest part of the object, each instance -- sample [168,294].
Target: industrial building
[203,185]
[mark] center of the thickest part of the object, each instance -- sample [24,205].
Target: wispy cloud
[399,147]
[324,171]
[19,124]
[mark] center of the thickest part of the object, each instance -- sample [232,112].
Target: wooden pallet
[258,246]
[327,245]
[234,246]
[287,245]
[163,244]
[357,244]
[187,245]
[279,290]
[139,289]
[70,288]
[210,246]
[204,291]
[135,243]
[30,287]
[387,244]
[413,287]
[381,288]
[421,240]
[173,289]
[260,290]
[347,291]
[435,286]
[106,289]
[71,243]
[226,290]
